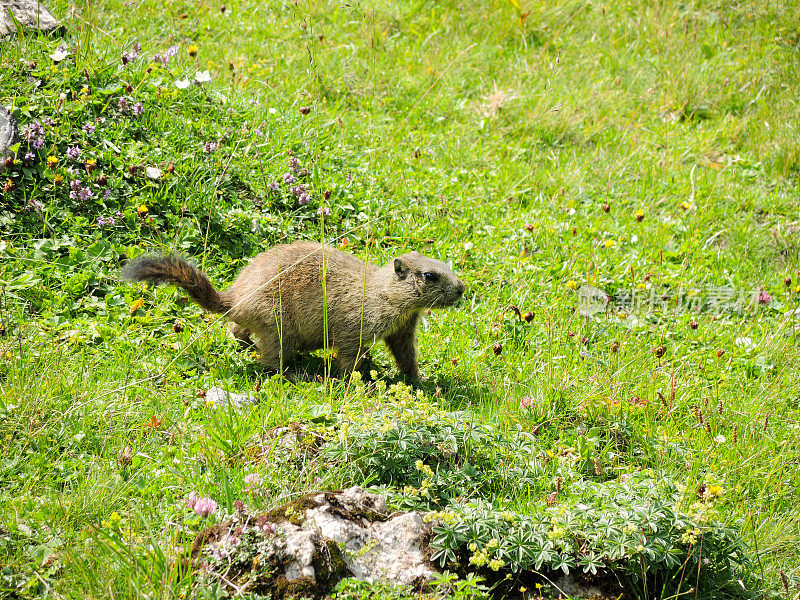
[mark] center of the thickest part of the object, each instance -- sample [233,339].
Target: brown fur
[281,301]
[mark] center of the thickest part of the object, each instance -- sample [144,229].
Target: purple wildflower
[38,143]
[73,152]
[119,214]
[102,222]
[123,104]
[48,122]
[209,147]
[168,53]
[138,108]
[294,164]
[131,55]
[32,130]
[274,186]
[323,210]
[89,128]
[303,199]
[35,205]
[205,507]
[106,196]
[764,297]
[526,402]
[268,528]
[75,185]
[258,132]
[289,178]
[85,194]
[298,190]
[29,156]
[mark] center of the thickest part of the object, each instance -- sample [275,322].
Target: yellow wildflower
[52,161]
[192,50]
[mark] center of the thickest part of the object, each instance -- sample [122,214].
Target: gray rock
[28,13]
[223,399]
[8,135]
[373,550]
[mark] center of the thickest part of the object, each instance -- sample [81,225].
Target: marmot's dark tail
[177,271]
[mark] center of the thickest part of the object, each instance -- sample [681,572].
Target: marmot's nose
[460,288]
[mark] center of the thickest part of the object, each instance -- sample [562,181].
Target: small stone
[221,399]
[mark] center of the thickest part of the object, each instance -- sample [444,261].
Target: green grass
[492,135]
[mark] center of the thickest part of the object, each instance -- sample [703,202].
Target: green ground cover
[642,148]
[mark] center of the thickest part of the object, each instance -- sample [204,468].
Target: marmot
[306,296]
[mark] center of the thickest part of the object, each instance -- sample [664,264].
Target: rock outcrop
[30,14]
[305,547]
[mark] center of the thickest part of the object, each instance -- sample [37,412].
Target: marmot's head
[432,283]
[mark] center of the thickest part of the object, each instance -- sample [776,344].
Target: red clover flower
[205,507]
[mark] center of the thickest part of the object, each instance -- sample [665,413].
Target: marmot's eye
[431,276]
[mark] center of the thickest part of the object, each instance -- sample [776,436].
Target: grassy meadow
[647,149]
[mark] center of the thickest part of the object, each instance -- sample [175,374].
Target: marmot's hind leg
[241,334]
[269,355]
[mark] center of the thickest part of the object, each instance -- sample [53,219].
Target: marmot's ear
[400,268]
